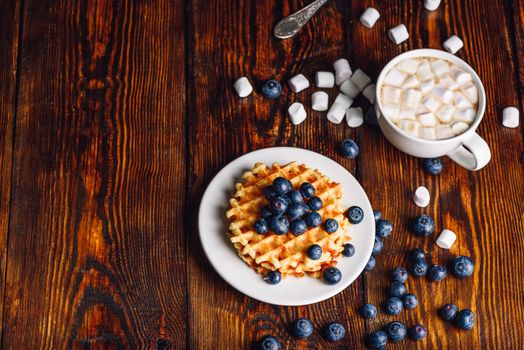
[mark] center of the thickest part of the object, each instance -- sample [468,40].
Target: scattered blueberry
[332,275]
[396,331]
[273,277]
[394,306]
[399,275]
[423,225]
[369,311]
[462,266]
[302,328]
[371,116]
[334,331]
[433,166]
[261,227]
[371,264]
[272,89]
[297,227]
[409,301]
[278,205]
[384,228]
[269,193]
[465,319]
[315,203]
[313,219]
[419,268]
[349,250]
[377,214]
[281,186]
[307,190]
[448,312]
[437,273]
[417,254]
[348,148]
[314,252]
[295,196]
[418,332]
[265,212]
[296,210]
[330,225]
[377,246]
[397,289]
[279,225]
[268,343]
[355,214]
[377,339]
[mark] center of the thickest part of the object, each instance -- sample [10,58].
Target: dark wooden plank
[96,248]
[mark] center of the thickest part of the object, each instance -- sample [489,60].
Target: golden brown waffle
[286,253]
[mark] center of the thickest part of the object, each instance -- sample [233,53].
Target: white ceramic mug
[467,149]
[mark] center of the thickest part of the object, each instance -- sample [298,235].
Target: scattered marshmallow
[453,44]
[336,113]
[444,132]
[369,17]
[354,117]
[445,113]
[465,115]
[459,127]
[297,113]
[411,82]
[439,67]
[510,117]
[428,133]
[427,119]
[394,77]
[421,197]
[427,86]
[443,93]
[243,87]
[408,65]
[325,79]
[349,88]
[360,79]
[398,34]
[370,92]
[391,94]
[320,101]
[424,72]
[431,5]
[342,71]
[343,100]
[431,104]
[298,83]
[410,127]
[411,98]
[446,239]
[471,92]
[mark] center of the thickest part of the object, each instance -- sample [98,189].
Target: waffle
[286,253]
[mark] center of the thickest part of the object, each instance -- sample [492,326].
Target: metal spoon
[290,25]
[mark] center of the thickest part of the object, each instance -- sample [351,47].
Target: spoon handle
[290,25]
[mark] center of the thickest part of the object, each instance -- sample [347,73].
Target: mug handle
[473,153]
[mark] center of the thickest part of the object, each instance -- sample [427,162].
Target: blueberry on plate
[437,273]
[334,331]
[332,275]
[355,214]
[377,246]
[297,227]
[397,289]
[271,89]
[279,225]
[377,339]
[295,211]
[268,343]
[307,190]
[417,254]
[399,274]
[273,277]
[371,116]
[384,228]
[433,166]
[349,250]
[393,306]
[302,328]
[448,312]
[369,311]
[278,205]
[465,319]
[281,186]
[295,196]
[396,331]
[419,268]
[348,148]
[371,264]
[418,332]
[265,212]
[330,225]
[423,225]
[269,193]
[313,219]
[314,252]
[315,203]
[409,301]
[261,227]
[462,266]
[377,215]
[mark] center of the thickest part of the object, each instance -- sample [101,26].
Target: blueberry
[377,339]
[313,219]
[394,306]
[371,264]
[371,116]
[348,148]
[314,252]
[261,227]
[448,312]
[315,203]
[302,328]
[272,89]
[273,277]
[433,166]
[281,186]
[268,343]
[269,193]
[462,266]
[399,275]
[437,273]
[279,225]
[465,319]
[377,214]
[377,246]
[307,190]
[355,214]
[418,332]
[396,331]
[417,254]
[297,227]
[419,268]
[278,205]
[295,211]
[397,289]
[369,311]
[330,225]
[334,331]
[423,225]
[295,196]
[332,275]
[384,228]
[265,212]
[349,250]
[409,301]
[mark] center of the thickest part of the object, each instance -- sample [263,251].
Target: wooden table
[115,115]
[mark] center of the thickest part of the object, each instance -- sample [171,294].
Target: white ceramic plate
[213,225]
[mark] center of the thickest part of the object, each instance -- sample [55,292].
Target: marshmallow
[462,78]
[360,79]
[421,197]
[428,133]
[243,87]
[446,239]
[394,77]
[408,65]
[424,72]
[336,113]
[449,82]
[406,113]
[439,67]
[427,119]
[369,93]
[431,5]
[465,115]
[298,83]
[510,117]
[343,100]
[427,86]
[320,101]
[411,98]
[471,93]
[459,127]
[342,71]
[325,79]
[391,94]
[431,103]
[369,17]
[410,82]
[410,127]
[391,110]
[297,113]
[354,117]
[349,88]
[445,113]
[398,34]
[421,109]
[443,93]
[453,44]
[444,132]
[461,101]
